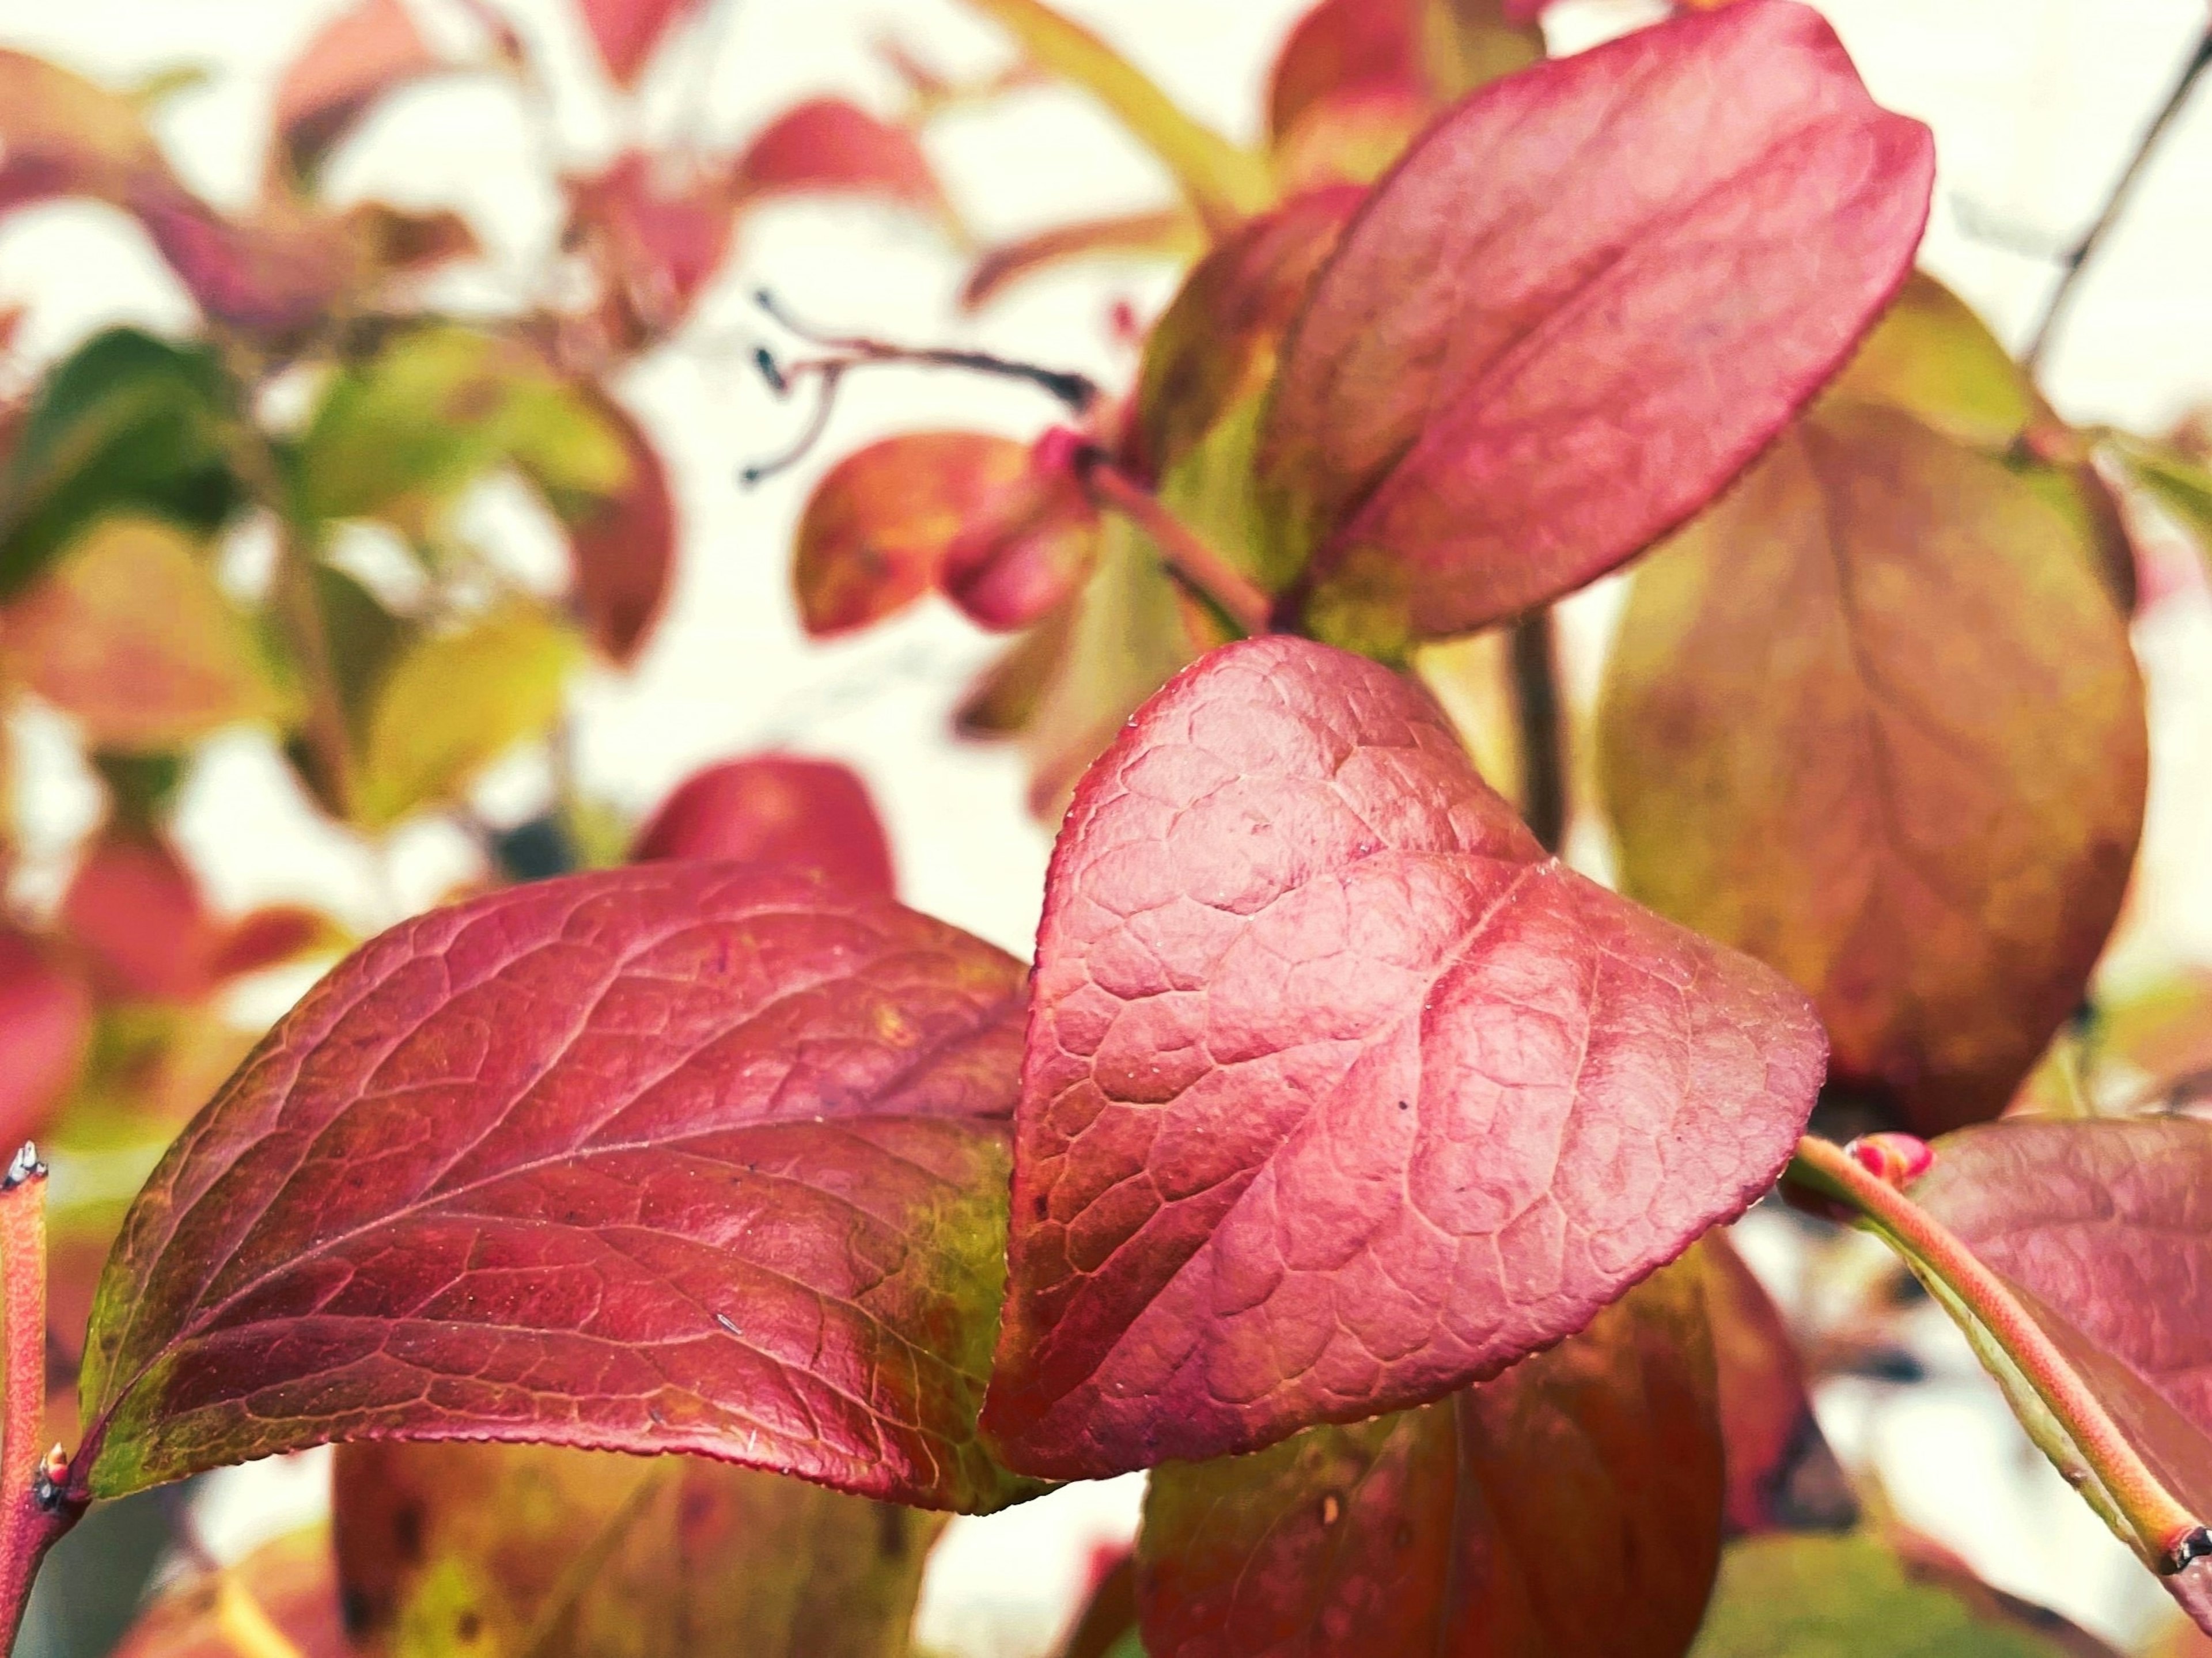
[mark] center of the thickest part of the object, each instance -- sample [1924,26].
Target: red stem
[1192,558]
[2165,1530]
[34,1510]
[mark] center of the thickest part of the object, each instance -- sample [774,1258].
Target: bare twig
[1540,721]
[2075,261]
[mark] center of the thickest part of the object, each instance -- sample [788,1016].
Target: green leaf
[457,702]
[398,437]
[127,422]
[1785,1596]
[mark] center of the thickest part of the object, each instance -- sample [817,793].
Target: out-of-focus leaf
[1421,54]
[46,1020]
[131,636]
[533,1552]
[399,436]
[1298,960]
[280,1601]
[136,912]
[827,145]
[677,1158]
[126,423]
[621,540]
[662,227]
[1031,544]
[1222,182]
[1826,740]
[1931,356]
[1572,1505]
[1167,233]
[1781,1474]
[352,61]
[1108,1618]
[364,640]
[878,526]
[626,32]
[1853,1597]
[276,271]
[1129,633]
[455,702]
[1559,327]
[780,810]
[1004,698]
[395,242]
[2180,484]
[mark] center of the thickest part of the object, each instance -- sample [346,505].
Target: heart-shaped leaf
[679,1157]
[1339,1094]
[536,1552]
[1826,740]
[780,810]
[1581,304]
[1571,1505]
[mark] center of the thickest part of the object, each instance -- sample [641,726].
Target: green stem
[2165,1530]
[35,1509]
[1194,560]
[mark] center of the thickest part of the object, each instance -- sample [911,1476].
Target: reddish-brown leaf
[1339,1094]
[1417,53]
[672,1158]
[509,1550]
[827,144]
[46,1019]
[660,226]
[878,526]
[622,545]
[354,60]
[775,808]
[1028,548]
[1781,1474]
[626,30]
[1826,739]
[1570,1506]
[1583,303]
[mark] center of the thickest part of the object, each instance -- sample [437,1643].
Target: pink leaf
[673,1158]
[829,145]
[1339,1094]
[776,808]
[1583,303]
[355,59]
[46,1020]
[627,31]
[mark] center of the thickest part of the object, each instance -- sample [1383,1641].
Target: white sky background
[2035,104]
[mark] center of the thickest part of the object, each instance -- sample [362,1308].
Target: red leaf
[1781,1474]
[1029,546]
[135,909]
[46,1020]
[664,230]
[827,144]
[1341,47]
[353,61]
[1339,1094]
[780,810]
[674,1158]
[626,30]
[624,545]
[878,526]
[1580,305]
[1570,1506]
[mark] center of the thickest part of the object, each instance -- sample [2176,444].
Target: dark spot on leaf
[355,1611]
[890,1531]
[1038,1205]
[467,1627]
[407,1533]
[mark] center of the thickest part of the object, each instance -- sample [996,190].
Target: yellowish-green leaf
[1932,357]
[1222,181]
[457,702]
[399,436]
[131,635]
[1799,1596]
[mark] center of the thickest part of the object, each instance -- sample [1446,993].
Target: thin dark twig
[811,435]
[1079,392]
[2077,257]
[1541,719]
